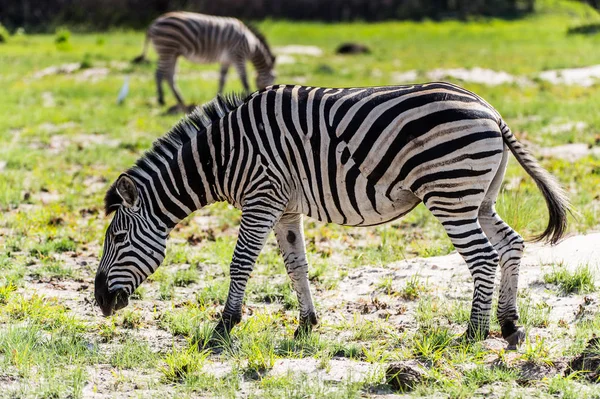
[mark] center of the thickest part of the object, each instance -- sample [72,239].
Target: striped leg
[159,87]
[255,226]
[223,76]
[240,66]
[166,70]
[170,76]
[460,220]
[509,246]
[290,237]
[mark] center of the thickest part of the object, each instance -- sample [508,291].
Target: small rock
[531,372]
[405,375]
[352,48]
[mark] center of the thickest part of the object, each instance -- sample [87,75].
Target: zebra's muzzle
[108,301]
[112,301]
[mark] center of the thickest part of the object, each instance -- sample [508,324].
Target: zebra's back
[365,156]
[198,37]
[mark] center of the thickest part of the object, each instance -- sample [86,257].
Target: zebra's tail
[142,57]
[556,198]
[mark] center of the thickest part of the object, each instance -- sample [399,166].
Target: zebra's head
[134,246]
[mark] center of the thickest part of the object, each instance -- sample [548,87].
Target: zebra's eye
[119,237]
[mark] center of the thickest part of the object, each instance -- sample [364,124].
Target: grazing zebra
[206,39]
[356,157]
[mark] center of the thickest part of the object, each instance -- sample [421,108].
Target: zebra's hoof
[303,330]
[515,339]
[306,325]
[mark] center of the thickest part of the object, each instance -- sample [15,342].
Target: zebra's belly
[361,204]
[208,57]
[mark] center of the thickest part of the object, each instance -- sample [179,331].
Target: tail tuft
[555,196]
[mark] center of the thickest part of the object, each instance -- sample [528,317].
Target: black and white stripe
[357,157]
[207,39]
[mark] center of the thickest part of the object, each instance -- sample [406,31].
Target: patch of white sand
[569,152]
[284,59]
[477,75]
[337,369]
[298,49]
[57,70]
[405,77]
[92,74]
[451,277]
[586,76]
[564,127]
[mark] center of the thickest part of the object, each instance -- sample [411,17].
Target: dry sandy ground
[447,276]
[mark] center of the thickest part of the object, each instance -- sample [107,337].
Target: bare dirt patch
[586,76]
[569,152]
[63,69]
[474,75]
[92,75]
[477,75]
[298,49]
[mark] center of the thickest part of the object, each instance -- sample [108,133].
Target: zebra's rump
[365,156]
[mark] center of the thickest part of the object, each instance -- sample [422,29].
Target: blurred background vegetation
[40,16]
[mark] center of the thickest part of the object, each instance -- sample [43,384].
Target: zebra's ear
[127,190]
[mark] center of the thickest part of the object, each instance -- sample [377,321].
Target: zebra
[355,157]
[205,39]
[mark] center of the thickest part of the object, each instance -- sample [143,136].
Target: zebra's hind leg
[509,246]
[159,88]
[461,223]
[290,237]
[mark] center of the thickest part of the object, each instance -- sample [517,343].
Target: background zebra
[357,157]
[205,39]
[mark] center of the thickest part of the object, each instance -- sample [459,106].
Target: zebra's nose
[101,293]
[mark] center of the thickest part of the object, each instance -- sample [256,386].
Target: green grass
[65,140]
[581,280]
[133,354]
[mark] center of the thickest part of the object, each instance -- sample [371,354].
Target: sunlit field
[65,140]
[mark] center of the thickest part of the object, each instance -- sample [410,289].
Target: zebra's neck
[177,184]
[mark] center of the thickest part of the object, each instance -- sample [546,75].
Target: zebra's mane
[165,147]
[261,38]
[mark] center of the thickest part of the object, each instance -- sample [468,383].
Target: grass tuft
[413,289]
[181,364]
[580,281]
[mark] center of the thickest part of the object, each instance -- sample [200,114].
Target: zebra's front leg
[255,226]
[290,237]
[240,66]
[223,76]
